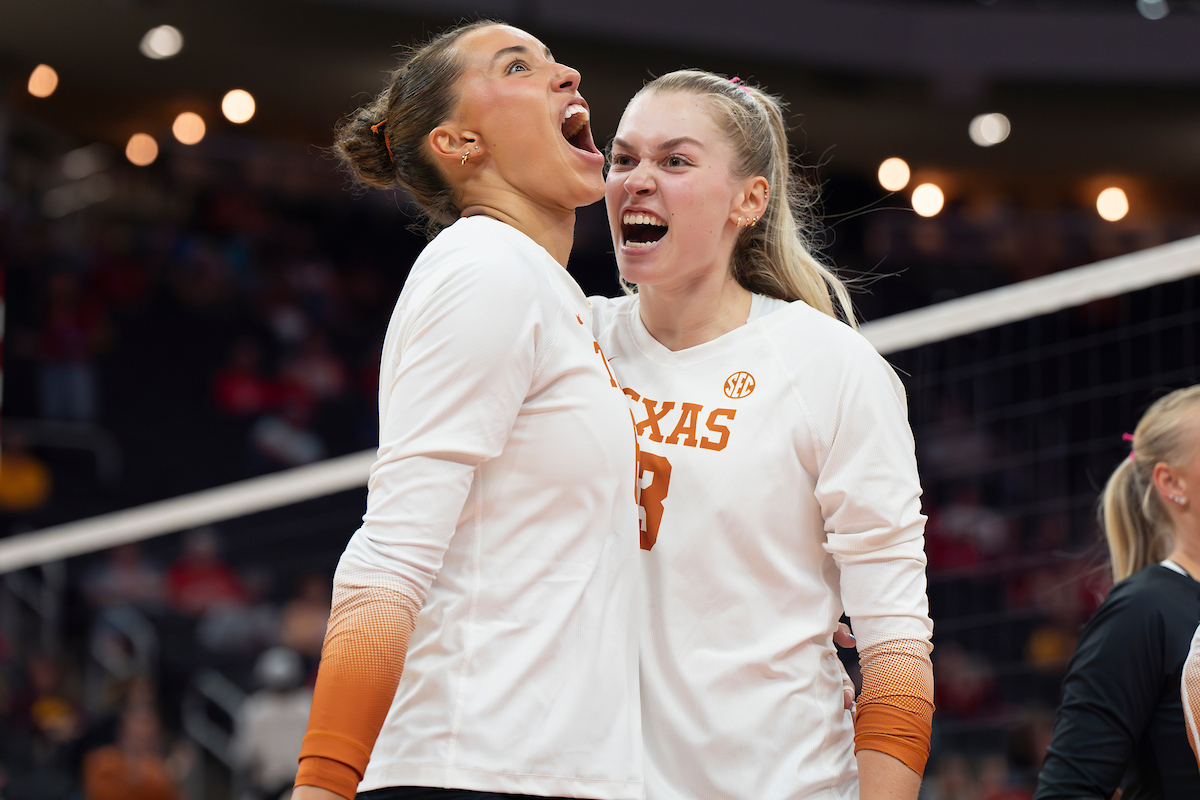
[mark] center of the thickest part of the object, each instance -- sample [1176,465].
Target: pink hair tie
[736,79]
[1132,453]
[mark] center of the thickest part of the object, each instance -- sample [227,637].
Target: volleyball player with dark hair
[1122,723]
[483,636]
[779,484]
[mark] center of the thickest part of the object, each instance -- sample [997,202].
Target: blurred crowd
[119,718]
[214,320]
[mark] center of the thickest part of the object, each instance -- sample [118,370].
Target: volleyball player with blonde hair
[779,485]
[483,640]
[1122,723]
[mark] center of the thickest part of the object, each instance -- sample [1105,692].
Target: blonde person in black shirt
[1121,723]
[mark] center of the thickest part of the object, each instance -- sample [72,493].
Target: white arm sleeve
[870,498]
[452,383]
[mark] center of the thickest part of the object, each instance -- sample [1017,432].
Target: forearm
[882,777]
[361,665]
[316,793]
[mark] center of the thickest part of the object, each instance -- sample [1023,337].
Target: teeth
[574,118]
[631,218]
[638,245]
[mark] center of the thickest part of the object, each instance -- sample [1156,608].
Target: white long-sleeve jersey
[503,499]
[779,488]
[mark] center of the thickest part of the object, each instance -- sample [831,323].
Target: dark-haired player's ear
[450,143]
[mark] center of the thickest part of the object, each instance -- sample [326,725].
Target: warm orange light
[43,81]
[188,128]
[238,106]
[927,199]
[894,174]
[142,149]
[1112,204]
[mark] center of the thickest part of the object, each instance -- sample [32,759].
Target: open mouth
[639,229]
[577,130]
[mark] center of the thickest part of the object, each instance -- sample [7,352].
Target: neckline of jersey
[654,350]
[563,275]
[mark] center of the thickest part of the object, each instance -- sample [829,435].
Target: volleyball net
[1084,344]
[1018,399]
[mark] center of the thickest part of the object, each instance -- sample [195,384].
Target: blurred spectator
[45,707]
[37,747]
[124,579]
[967,520]
[271,724]
[965,687]
[134,767]
[241,389]
[995,781]
[285,440]
[25,480]
[72,332]
[952,780]
[1028,741]
[1058,593]
[302,627]
[199,580]
[315,372]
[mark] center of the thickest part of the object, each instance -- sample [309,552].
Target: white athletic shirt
[504,497]
[779,489]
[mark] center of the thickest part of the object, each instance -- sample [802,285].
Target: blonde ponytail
[1132,514]
[772,257]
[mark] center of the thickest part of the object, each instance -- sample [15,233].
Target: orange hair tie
[386,140]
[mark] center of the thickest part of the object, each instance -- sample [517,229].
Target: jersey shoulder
[480,254]
[1152,597]
[808,342]
[606,311]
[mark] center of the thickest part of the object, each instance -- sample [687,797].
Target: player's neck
[687,316]
[1187,555]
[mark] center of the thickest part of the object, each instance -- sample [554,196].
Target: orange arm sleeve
[895,707]
[361,663]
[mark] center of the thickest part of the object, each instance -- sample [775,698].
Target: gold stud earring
[466,155]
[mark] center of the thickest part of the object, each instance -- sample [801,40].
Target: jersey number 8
[652,494]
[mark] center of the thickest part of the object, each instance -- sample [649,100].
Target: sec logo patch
[738,385]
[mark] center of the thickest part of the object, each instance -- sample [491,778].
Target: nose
[639,182]
[568,78]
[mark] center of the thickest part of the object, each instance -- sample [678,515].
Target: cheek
[612,198]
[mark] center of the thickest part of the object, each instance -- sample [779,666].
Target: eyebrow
[518,49]
[669,144]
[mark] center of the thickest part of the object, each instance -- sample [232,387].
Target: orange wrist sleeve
[895,707]
[361,663]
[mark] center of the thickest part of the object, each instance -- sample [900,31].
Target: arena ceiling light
[43,81]
[894,174]
[1153,9]
[238,106]
[1112,204]
[927,199]
[165,41]
[989,129]
[141,149]
[188,127]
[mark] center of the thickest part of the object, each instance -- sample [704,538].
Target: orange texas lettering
[651,418]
